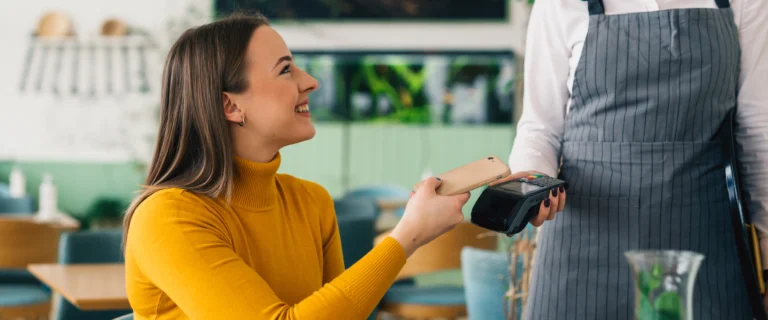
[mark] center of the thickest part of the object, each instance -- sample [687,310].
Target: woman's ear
[231,112]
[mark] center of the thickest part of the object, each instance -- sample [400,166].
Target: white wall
[42,126]
[118,128]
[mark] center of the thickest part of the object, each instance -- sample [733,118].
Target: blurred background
[409,88]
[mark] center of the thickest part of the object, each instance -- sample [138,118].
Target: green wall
[386,154]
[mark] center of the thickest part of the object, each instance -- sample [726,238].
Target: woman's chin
[304,133]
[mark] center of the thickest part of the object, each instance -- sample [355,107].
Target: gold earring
[242,121]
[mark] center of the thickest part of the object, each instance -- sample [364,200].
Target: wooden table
[391,204]
[87,286]
[387,220]
[61,222]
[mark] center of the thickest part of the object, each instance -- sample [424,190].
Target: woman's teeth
[302,108]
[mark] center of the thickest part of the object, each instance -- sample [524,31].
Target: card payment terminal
[509,206]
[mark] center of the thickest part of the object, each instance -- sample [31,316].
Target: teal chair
[125,317]
[356,218]
[357,206]
[5,191]
[27,301]
[357,233]
[17,205]
[24,205]
[486,281]
[381,192]
[442,254]
[30,300]
[96,246]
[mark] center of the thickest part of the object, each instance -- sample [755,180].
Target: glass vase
[664,282]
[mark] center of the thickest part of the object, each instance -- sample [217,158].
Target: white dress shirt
[556,33]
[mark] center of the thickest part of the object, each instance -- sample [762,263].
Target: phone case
[471,176]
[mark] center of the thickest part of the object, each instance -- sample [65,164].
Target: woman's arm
[188,256]
[752,117]
[537,144]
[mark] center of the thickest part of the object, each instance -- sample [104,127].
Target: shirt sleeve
[752,116]
[186,254]
[545,95]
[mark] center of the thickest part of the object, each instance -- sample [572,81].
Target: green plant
[103,211]
[654,302]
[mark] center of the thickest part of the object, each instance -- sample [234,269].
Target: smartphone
[471,176]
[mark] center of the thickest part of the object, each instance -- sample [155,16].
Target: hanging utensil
[92,52]
[53,25]
[126,70]
[144,86]
[75,66]
[41,70]
[108,71]
[112,28]
[57,69]
[27,63]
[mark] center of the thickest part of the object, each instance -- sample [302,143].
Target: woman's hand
[549,207]
[427,216]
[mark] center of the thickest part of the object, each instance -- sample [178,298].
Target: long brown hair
[194,149]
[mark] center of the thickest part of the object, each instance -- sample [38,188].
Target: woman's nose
[308,83]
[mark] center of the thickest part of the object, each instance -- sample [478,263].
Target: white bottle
[17,183]
[47,205]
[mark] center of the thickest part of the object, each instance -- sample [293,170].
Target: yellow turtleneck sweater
[273,253]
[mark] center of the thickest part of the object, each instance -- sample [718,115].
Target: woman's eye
[286,69]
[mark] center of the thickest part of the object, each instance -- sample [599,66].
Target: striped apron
[640,154]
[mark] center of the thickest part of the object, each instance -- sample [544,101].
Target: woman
[217,233]
[623,99]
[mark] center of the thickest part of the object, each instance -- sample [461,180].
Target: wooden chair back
[444,253]
[24,242]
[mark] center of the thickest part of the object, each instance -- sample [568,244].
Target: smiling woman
[216,232]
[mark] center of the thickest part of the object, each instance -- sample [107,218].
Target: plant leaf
[646,312]
[647,282]
[668,304]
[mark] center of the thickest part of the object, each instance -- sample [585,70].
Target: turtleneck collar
[255,183]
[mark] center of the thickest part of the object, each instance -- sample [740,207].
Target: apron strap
[722,4]
[596,7]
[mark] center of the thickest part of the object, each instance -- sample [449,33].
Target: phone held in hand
[471,176]
[509,206]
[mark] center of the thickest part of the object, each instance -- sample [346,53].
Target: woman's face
[276,103]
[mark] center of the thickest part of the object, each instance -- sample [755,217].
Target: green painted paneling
[319,159]
[377,155]
[79,184]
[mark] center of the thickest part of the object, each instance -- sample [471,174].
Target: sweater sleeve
[184,250]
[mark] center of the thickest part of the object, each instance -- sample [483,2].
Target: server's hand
[549,207]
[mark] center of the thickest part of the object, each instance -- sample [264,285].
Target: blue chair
[442,254]
[381,192]
[356,218]
[357,233]
[96,246]
[24,205]
[125,317]
[486,281]
[355,206]
[5,190]
[17,205]
[25,300]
